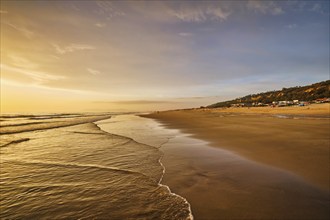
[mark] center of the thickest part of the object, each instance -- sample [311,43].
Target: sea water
[62,166]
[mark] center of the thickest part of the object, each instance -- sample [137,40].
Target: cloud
[277,11]
[100,25]
[316,7]
[264,7]
[43,87]
[217,13]
[26,32]
[291,26]
[137,102]
[93,71]
[185,34]
[71,48]
[38,76]
[74,7]
[22,62]
[108,9]
[3,12]
[319,8]
[200,13]
[56,57]
[196,97]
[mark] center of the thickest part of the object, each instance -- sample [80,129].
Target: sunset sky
[61,56]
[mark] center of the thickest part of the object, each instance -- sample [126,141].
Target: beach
[255,163]
[291,138]
[220,183]
[185,164]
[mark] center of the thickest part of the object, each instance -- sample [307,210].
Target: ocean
[63,166]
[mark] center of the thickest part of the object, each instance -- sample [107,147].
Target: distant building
[282,103]
[323,100]
[238,105]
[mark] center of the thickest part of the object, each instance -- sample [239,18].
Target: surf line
[190,216]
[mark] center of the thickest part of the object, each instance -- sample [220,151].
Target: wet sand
[224,186]
[220,184]
[298,144]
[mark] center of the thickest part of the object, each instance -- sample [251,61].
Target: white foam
[190,217]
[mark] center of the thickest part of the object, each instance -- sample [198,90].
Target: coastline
[219,184]
[109,127]
[173,174]
[296,144]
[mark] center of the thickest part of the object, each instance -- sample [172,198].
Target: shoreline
[160,183]
[219,184]
[299,144]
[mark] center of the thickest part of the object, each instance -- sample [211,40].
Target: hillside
[301,93]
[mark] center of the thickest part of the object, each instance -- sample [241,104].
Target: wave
[15,116]
[78,165]
[47,117]
[36,116]
[15,142]
[50,125]
[106,164]
[190,216]
[22,124]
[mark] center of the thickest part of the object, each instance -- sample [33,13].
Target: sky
[117,56]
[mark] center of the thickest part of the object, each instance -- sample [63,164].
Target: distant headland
[299,95]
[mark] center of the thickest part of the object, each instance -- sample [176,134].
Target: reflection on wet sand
[222,185]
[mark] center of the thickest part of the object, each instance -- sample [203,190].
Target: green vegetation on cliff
[301,93]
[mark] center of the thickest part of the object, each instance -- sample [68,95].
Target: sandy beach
[295,139]
[219,183]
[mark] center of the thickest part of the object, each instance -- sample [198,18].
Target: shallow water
[69,168]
